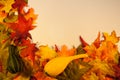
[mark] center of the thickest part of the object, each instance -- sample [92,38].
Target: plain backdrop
[63,21]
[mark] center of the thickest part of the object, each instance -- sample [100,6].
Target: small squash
[14,62]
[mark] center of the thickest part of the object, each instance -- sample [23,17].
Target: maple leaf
[42,76]
[100,69]
[117,71]
[3,14]
[46,52]
[21,28]
[19,4]
[105,50]
[108,48]
[30,14]
[66,52]
[92,51]
[112,38]
[83,42]
[29,50]
[11,17]
[97,41]
[56,48]
[109,51]
[80,50]
[5,7]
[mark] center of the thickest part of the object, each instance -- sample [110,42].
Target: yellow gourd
[57,65]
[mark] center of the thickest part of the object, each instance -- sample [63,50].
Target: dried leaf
[46,52]
[20,4]
[83,42]
[5,5]
[11,17]
[21,28]
[66,52]
[80,50]
[29,50]
[112,38]
[73,71]
[97,41]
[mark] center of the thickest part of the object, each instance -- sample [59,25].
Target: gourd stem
[78,56]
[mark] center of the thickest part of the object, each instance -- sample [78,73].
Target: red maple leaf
[83,42]
[21,28]
[97,41]
[29,50]
[19,4]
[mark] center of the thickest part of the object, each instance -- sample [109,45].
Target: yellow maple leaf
[46,52]
[5,7]
[112,38]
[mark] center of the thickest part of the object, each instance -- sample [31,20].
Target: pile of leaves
[21,59]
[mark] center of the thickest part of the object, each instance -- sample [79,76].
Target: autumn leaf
[5,5]
[21,23]
[20,4]
[45,52]
[97,41]
[100,69]
[117,71]
[21,78]
[112,38]
[80,50]
[66,52]
[42,76]
[21,28]
[29,50]
[108,48]
[56,48]
[11,17]
[91,50]
[30,14]
[83,42]
[3,14]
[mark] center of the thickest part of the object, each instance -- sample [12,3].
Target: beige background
[63,21]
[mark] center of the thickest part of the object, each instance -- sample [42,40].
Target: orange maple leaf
[30,14]
[66,52]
